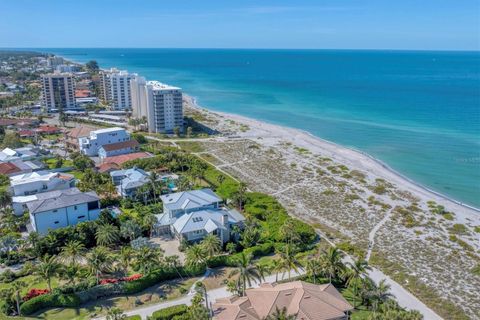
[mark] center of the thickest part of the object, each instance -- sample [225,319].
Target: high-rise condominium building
[58,91]
[161,104]
[116,89]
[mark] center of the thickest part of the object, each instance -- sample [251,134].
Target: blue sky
[341,24]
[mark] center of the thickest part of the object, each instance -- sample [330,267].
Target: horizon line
[232,48]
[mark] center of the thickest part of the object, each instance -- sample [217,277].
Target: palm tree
[18,286]
[201,289]
[173,262]
[7,244]
[70,274]
[47,268]
[107,235]
[277,267]
[332,262]
[196,256]
[246,271]
[149,221]
[380,294]
[356,271]
[147,258]
[125,259]
[241,195]
[288,261]
[312,266]
[98,260]
[72,252]
[281,314]
[212,245]
[263,270]
[153,182]
[130,229]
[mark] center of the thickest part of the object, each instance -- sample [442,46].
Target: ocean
[417,111]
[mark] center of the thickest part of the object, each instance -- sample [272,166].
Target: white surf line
[371,235]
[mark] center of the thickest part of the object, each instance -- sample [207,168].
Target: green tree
[176,131]
[115,314]
[313,267]
[332,262]
[107,235]
[8,243]
[246,271]
[48,268]
[240,196]
[146,259]
[125,259]
[12,140]
[355,271]
[98,260]
[73,252]
[196,256]
[211,245]
[130,229]
[149,221]
[288,260]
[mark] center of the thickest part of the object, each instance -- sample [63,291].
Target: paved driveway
[169,245]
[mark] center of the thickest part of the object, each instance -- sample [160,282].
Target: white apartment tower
[161,104]
[116,89]
[58,91]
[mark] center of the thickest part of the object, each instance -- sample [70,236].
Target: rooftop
[189,199]
[208,220]
[60,199]
[120,145]
[305,300]
[38,176]
[156,85]
[106,130]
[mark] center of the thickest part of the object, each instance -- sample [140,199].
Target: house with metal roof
[40,181]
[129,181]
[191,215]
[62,208]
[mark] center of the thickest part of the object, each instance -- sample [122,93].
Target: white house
[24,153]
[118,148]
[40,181]
[59,209]
[191,215]
[91,145]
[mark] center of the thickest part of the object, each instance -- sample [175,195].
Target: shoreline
[383,164]
[351,155]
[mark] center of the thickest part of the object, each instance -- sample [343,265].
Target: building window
[93,205]
[57,222]
[75,207]
[55,210]
[81,217]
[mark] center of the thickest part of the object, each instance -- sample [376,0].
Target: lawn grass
[31,282]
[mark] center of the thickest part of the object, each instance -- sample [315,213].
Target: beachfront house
[300,299]
[191,215]
[40,181]
[91,145]
[118,148]
[128,181]
[62,208]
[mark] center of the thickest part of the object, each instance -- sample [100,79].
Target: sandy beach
[358,200]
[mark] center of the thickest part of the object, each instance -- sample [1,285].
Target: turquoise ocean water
[419,112]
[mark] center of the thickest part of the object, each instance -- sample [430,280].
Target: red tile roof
[121,145]
[48,129]
[82,93]
[119,160]
[26,133]
[107,167]
[8,168]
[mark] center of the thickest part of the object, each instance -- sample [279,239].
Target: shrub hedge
[49,301]
[135,317]
[169,313]
[159,275]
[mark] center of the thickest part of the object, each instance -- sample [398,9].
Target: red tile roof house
[115,162]
[74,134]
[118,148]
[26,133]
[303,300]
[8,169]
[48,129]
